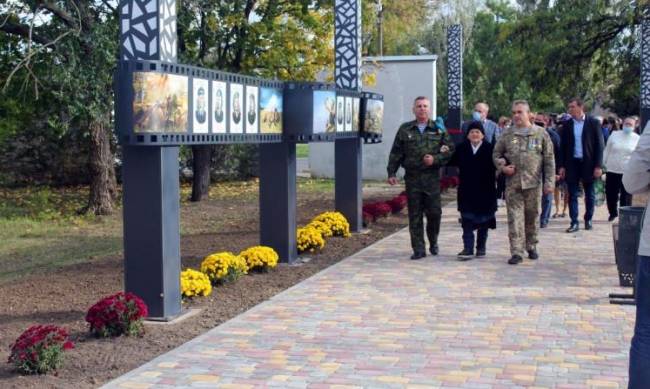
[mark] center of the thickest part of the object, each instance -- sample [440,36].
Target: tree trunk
[201,156]
[103,186]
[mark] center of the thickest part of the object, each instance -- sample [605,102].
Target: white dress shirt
[578,125]
[636,179]
[618,151]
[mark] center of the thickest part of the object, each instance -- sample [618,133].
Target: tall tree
[266,38]
[67,53]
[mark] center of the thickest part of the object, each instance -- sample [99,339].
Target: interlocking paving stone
[380,320]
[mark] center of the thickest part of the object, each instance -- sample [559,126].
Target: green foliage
[547,52]
[403,23]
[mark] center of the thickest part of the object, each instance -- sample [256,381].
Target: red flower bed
[376,210]
[40,349]
[398,203]
[121,313]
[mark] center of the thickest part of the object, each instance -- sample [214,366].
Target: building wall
[400,80]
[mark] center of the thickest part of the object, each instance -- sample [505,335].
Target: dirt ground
[62,296]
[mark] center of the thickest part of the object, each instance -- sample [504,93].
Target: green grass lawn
[302,150]
[41,230]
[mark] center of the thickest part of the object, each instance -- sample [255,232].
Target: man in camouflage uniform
[523,152]
[422,147]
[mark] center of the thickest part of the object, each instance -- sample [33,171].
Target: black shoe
[543,225]
[465,255]
[588,225]
[515,259]
[418,255]
[573,228]
[532,254]
[611,218]
[434,249]
[480,252]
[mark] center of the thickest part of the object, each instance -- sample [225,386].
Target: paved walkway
[379,320]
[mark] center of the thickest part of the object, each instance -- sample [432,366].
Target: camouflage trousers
[423,203]
[523,212]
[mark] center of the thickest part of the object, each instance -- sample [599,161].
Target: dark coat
[593,146]
[477,187]
[555,139]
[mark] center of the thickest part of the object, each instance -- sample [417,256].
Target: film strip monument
[161,105]
[645,72]
[455,81]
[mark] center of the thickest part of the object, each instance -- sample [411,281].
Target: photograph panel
[160,103]
[340,113]
[236,114]
[356,102]
[373,121]
[252,110]
[324,109]
[219,107]
[348,114]
[200,123]
[270,111]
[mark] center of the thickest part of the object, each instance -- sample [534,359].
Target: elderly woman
[477,190]
[617,153]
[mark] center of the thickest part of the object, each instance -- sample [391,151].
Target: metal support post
[278,199]
[152,258]
[348,165]
[151,228]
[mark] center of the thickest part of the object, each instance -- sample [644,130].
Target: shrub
[260,258]
[398,203]
[379,209]
[121,313]
[310,239]
[322,227]
[194,283]
[40,349]
[336,222]
[224,267]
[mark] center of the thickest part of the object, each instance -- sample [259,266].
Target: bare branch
[23,31]
[60,13]
[30,54]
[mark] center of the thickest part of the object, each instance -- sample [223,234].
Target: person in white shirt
[636,179]
[620,146]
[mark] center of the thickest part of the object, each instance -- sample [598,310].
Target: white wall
[400,79]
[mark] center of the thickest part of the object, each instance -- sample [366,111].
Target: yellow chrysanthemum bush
[336,222]
[224,267]
[309,238]
[322,227]
[194,283]
[260,258]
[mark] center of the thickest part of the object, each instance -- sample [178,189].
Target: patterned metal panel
[168,37]
[347,40]
[645,64]
[148,30]
[455,66]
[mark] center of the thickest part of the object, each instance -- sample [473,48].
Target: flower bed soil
[62,296]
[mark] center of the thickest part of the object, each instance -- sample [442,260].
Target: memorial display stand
[160,105]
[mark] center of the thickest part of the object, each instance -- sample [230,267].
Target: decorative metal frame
[455,66]
[148,30]
[347,38]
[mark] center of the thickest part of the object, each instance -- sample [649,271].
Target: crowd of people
[529,162]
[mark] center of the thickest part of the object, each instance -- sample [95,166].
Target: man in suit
[580,160]
[480,114]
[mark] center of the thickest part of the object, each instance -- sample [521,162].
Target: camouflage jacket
[410,147]
[529,152]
